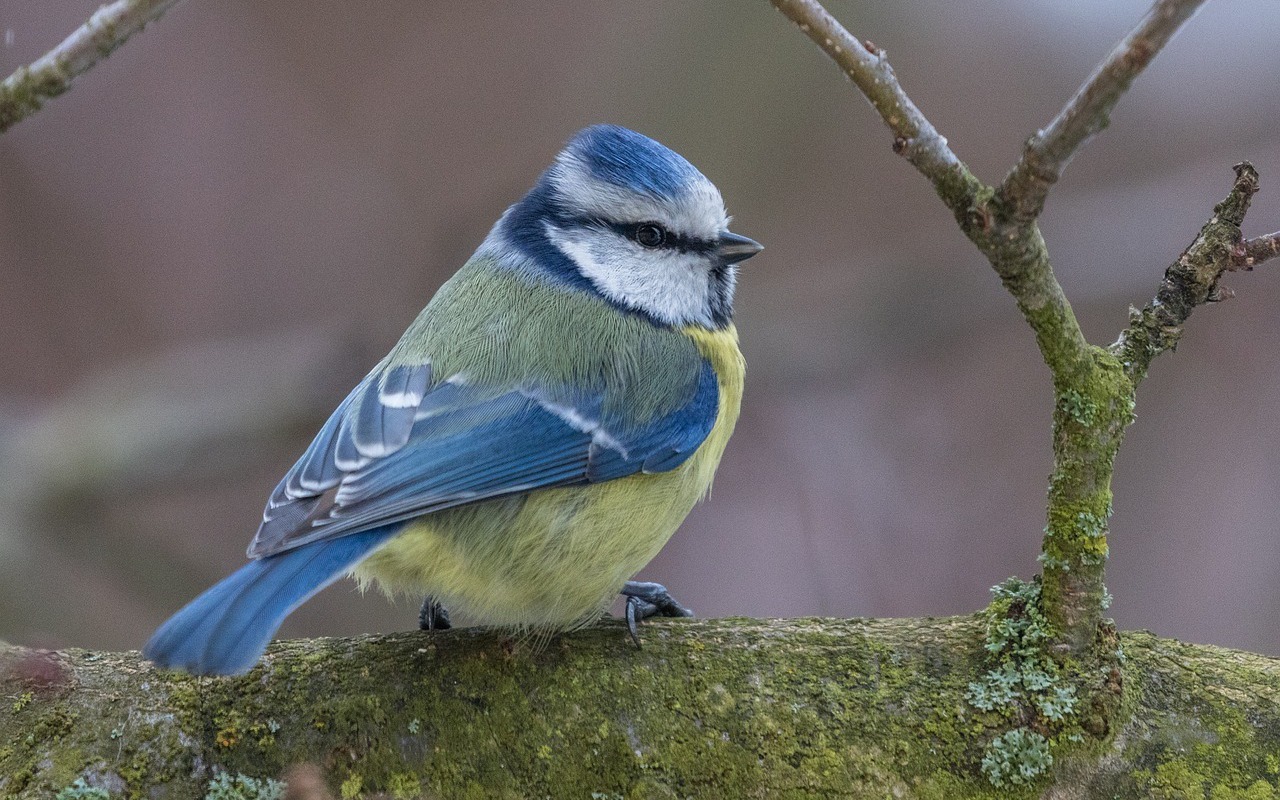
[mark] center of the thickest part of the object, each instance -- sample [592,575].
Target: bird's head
[633,222]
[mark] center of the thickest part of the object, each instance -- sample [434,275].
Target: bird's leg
[646,600]
[433,617]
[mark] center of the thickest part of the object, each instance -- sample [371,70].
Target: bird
[537,434]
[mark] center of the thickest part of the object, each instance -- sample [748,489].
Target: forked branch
[1093,390]
[1017,253]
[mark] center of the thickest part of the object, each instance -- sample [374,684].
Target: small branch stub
[1252,252]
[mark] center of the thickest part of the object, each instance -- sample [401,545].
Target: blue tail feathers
[226,629]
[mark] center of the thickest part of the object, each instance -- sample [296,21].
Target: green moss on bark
[1090,416]
[714,708]
[801,708]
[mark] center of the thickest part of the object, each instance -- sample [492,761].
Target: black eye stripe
[672,241]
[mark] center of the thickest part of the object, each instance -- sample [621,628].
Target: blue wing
[400,446]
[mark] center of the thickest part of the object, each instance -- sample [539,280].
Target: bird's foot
[433,617]
[646,600]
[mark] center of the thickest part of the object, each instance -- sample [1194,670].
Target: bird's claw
[433,616]
[644,600]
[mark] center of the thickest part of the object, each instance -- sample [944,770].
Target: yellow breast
[555,558]
[721,349]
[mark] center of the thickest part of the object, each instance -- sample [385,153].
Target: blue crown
[633,161]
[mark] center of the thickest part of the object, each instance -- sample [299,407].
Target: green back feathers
[496,327]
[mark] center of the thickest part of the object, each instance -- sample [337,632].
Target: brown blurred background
[219,229]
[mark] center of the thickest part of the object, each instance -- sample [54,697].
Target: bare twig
[1048,152]
[1192,280]
[1252,252]
[24,92]
[915,138]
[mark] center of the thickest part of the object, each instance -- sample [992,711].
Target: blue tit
[537,434]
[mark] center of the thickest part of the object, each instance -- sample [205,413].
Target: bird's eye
[650,234]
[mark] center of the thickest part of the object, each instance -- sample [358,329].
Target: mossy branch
[24,92]
[710,708]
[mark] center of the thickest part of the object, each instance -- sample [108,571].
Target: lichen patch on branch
[1022,688]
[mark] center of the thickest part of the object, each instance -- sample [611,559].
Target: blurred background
[219,229]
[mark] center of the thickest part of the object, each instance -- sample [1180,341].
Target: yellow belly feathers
[554,559]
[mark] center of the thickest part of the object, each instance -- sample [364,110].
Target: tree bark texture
[731,708]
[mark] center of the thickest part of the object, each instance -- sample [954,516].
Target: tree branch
[867,66]
[709,708]
[1047,153]
[1253,252]
[1192,280]
[1094,389]
[1093,407]
[25,91]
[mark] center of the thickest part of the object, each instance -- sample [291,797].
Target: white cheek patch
[670,286]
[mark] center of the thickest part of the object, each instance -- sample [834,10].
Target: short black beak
[733,248]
